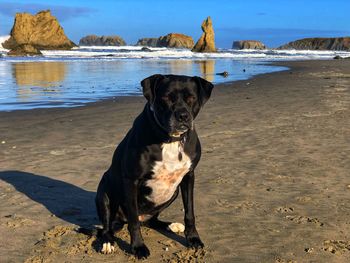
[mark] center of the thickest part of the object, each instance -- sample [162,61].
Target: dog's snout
[182,115]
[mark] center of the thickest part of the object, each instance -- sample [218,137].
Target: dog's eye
[190,99]
[166,98]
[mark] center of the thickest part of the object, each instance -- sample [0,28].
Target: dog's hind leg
[157,224]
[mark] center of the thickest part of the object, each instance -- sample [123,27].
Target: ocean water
[87,74]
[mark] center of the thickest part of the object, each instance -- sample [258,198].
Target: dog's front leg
[191,233]
[138,246]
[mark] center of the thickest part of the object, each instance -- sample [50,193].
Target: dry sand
[273,184]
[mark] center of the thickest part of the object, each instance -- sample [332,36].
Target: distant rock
[37,32]
[248,44]
[172,40]
[175,40]
[3,39]
[206,42]
[338,43]
[146,49]
[24,50]
[148,42]
[93,40]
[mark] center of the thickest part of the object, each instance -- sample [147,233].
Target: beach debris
[206,42]
[3,142]
[308,249]
[57,152]
[224,74]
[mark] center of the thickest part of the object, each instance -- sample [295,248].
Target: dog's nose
[182,116]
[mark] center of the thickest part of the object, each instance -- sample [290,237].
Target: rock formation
[206,43]
[338,43]
[248,44]
[172,40]
[148,42]
[41,31]
[24,50]
[175,40]
[93,40]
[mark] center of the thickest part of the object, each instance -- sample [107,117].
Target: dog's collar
[168,138]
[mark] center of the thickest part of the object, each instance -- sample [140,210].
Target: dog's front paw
[141,251]
[107,248]
[195,242]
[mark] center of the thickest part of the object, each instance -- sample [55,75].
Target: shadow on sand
[66,201]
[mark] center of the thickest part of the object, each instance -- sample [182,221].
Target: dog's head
[176,100]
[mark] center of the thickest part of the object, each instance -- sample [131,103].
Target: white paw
[107,248]
[176,227]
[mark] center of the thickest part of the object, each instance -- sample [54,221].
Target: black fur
[173,102]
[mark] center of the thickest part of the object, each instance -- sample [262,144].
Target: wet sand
[273,183]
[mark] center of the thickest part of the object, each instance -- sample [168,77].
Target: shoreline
[271,185]
[130,98]
[24,91]
[127,98]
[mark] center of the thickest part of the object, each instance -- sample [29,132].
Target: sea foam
[137,52]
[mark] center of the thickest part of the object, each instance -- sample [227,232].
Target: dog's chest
[168,173]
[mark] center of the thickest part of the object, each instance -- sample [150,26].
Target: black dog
[158,154]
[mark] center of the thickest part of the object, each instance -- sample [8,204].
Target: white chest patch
[168,173]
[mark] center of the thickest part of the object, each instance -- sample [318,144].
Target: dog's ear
[149,86]
[204,89]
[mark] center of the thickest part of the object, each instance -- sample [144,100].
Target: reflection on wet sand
[30,76]
[207,69]
[180,66]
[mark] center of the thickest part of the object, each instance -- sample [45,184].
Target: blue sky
[271,21]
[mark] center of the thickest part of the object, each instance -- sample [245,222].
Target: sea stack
[148,42]
[206,43]
[172,40]
[93,40]
[248,44]
[176,40]
[37,32]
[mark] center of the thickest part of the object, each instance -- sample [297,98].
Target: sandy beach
[273,183]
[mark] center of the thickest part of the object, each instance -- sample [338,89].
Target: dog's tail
[89,231]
